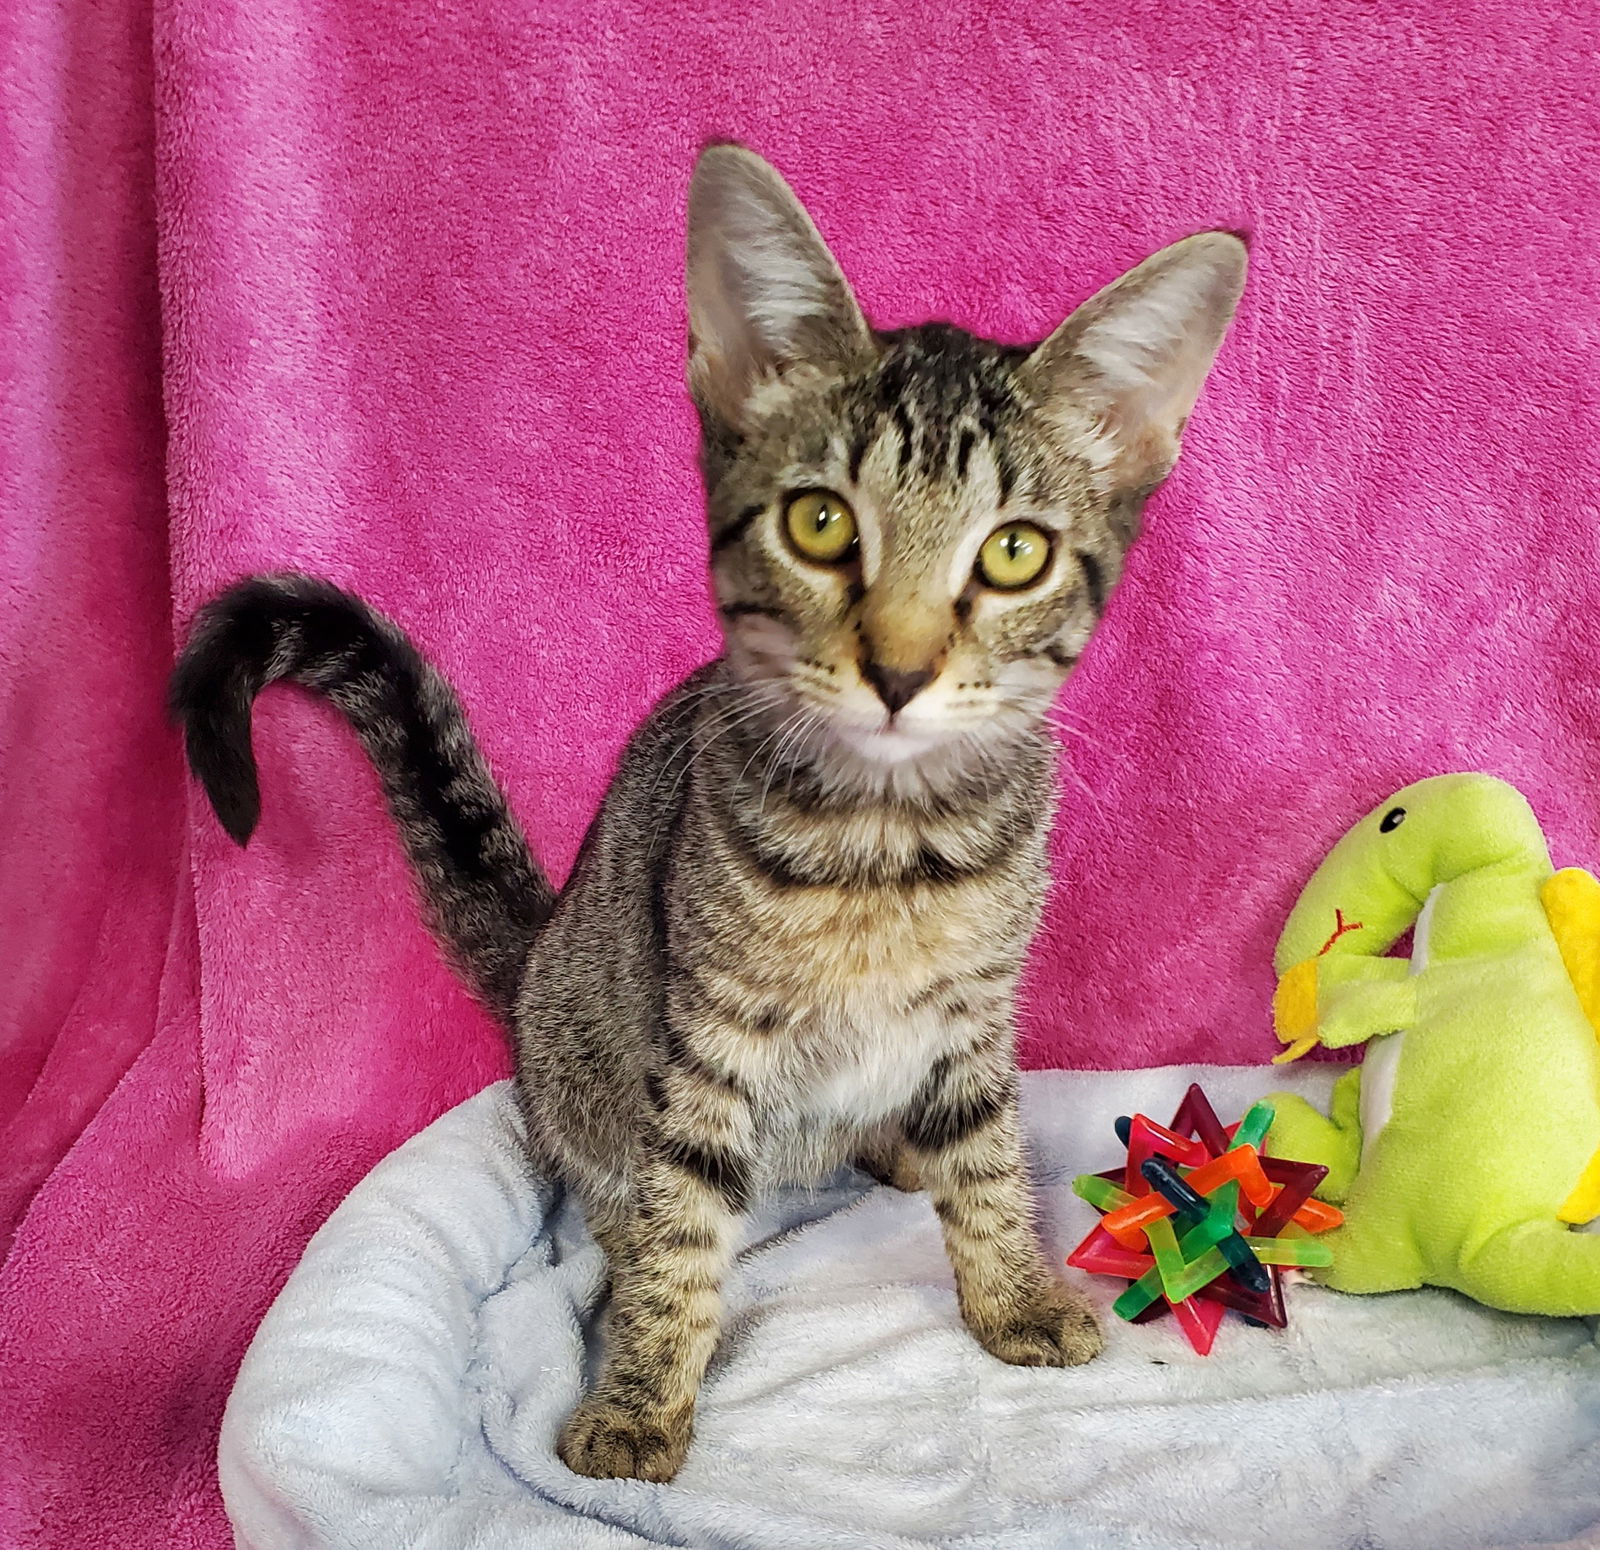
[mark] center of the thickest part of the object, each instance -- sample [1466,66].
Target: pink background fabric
[392,294]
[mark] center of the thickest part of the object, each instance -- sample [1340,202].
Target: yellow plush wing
[1571,900]
[1294,1011]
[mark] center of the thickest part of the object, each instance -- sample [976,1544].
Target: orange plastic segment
[1127,1224]
[1318,1216]
[1243,1164]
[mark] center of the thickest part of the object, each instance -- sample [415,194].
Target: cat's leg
[666,1279]
[966,1142]
[888,1159]
[666,1269]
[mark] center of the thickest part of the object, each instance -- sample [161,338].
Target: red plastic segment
[1199,1322]
[1196,1117]
[1101,1254]
[1147,1139]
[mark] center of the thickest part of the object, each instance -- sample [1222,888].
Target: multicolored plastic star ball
[1199,1220]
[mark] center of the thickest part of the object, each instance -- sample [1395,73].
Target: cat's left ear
[1135,356]
[766,298]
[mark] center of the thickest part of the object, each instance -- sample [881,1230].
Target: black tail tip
[218,747]
[238,806]
[230,657]
[209,696]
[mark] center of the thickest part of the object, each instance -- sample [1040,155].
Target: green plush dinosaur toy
[1466,1148]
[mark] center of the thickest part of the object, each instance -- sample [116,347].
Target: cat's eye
[821,526]
[1013,555]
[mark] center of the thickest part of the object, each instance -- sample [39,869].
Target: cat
[793,933]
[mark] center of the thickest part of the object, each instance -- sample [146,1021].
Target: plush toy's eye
[1392,820]
[1012,556]
[821,526]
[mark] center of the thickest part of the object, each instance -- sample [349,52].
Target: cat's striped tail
[484,894]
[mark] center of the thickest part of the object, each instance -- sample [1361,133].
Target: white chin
[889,745]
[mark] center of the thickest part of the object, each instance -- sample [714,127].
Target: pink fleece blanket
[392,293]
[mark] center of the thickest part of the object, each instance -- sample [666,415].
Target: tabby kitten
[793,934]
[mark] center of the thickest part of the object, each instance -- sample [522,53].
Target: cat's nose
[895,688]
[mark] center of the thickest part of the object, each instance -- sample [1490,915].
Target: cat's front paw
[1052,1327]
[609,1442]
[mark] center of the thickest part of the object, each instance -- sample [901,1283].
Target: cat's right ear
[766,299]
[1137,354]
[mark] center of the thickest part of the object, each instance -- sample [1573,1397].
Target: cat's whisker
[789,729]
[800,746]
[752,702]
[1088,790]
[988,761]
[1056,718]
[812,723]
[696,695]
[725,725]
[774,736]
[1065,766]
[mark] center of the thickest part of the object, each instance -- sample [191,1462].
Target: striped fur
[793,933]
[484,895]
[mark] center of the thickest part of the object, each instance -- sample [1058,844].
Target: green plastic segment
[1102,1194]
[1218,1224]
[1226,1199]
[1182,1277]
[1254,1126]
[1139,1296]
[1201,1270]
[1288,1251]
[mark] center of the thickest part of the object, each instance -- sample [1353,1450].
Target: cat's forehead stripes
[938,395]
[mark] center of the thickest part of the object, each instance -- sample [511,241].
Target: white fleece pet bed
[406,1388]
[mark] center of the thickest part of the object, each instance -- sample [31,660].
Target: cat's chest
[864,953]
[864,980]
[851,1059]
[869,984]
[846,1077]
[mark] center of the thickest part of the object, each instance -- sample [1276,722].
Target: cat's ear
[1136,355]
[765,295]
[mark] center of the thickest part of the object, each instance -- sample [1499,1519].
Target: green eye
[821,527]
[1013,555]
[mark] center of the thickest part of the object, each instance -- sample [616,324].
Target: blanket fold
[408,1385]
